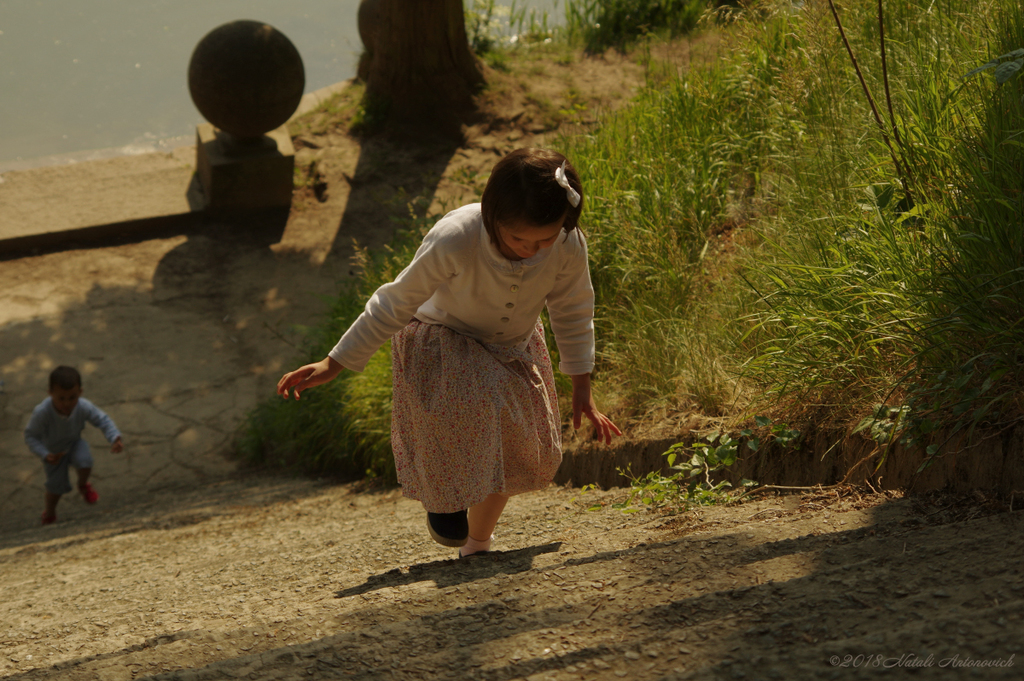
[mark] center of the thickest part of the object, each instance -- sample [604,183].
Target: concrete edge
[136,229]
[312,100]
[825,456]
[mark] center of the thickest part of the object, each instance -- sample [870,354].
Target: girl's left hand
[583,403]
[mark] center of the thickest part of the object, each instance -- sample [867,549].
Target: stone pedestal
[244,174]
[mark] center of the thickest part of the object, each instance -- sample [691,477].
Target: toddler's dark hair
[65,378]
[522,187]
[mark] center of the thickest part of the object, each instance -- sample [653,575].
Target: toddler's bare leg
[83,476]
[51,499]
[484,516]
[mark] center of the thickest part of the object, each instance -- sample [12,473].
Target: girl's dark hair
[522,187]
[65,378]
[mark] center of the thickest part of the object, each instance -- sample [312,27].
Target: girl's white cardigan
[459,279]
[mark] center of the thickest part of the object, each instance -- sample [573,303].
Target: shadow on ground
[712,598]
[445,573]
[389,181]
[176,339]
[166,509]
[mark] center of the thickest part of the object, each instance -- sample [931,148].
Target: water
[83,75]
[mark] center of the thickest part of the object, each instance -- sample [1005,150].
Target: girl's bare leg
[484,516]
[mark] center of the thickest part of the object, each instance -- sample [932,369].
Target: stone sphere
[246,78]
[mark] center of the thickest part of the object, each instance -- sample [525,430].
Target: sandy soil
[280,579]
[191,569]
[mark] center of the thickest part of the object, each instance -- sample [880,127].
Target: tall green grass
[873,298]
[343,428]
[969,357]
[876,283]
[751,237]
[658,179]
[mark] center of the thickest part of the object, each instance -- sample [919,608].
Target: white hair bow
[563,181]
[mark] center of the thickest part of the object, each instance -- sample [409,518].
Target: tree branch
[871,102]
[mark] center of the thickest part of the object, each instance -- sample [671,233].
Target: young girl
[475,417]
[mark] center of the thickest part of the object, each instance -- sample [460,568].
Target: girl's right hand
[308,376]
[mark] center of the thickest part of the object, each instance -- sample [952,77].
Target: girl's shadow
[445,573]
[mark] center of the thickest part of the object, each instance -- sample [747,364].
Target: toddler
[54,434]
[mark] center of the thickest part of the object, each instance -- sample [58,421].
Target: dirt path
[267,579]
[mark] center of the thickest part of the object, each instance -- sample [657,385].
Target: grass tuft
[601,24]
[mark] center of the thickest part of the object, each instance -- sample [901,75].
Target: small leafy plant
[886,425]
[692,483]
[694,467]
[718,452]
[883,422]
[1005,66]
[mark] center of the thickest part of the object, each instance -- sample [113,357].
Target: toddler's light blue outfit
[50,432]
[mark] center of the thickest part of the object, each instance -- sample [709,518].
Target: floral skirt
[471,418]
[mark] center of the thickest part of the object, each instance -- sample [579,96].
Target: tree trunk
[420,73]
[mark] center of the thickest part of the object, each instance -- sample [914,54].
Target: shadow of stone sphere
[246,78]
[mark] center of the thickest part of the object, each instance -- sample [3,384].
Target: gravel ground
[263,579]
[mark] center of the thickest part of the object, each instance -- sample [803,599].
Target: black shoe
[449,529]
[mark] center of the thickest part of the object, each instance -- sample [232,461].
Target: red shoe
[49,519]
[89,494]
